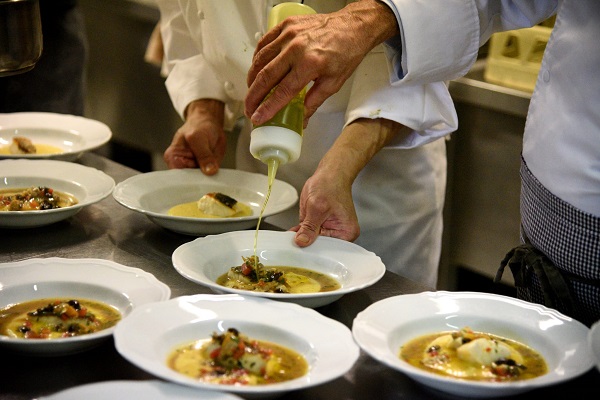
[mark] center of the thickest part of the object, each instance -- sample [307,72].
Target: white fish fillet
[220,205]
[22,145]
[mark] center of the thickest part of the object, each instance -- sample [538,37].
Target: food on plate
[221,205]
[212,205]
[21,145]
[53,318]
[34,198]
[231,358]
[253,275]
[477,356]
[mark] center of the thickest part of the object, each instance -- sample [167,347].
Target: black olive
[75,304]
[24,329]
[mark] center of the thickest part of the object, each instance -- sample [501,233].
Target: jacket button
[228,86]
[546,76]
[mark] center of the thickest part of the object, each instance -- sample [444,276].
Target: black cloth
[57,82]
[558,262]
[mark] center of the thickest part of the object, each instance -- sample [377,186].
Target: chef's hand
[326,204]
[327,208]
[323,48]
[200,141]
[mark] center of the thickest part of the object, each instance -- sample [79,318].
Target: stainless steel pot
[20,36]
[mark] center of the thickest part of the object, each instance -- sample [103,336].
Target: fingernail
[256,118]
[303,238]
[208,168]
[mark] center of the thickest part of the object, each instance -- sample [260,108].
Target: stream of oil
[272,165]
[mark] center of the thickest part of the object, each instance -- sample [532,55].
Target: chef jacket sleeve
[189,76]
[439,39]
[426,109]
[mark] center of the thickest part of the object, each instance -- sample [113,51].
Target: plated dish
[382,328]
[326,344]
[70,134]
[205,259]
[152,389]
[88,185]
[155,193]
[123,288]
[594,342]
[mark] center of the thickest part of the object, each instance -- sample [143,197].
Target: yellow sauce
[16,321]
[32,199]
[194,360]
[440,354]
[297,280]
[40,149]
[191,210]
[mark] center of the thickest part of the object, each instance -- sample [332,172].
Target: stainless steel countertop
[108,230]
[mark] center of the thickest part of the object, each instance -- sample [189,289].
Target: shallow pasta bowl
[154,193]
[326,344]
[71,134]
[88,185]
[382,328]
[149,389]
[594,343]
[204,259]
[123,288]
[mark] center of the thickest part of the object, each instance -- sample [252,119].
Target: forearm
[374,18]
[356,146]
[203,109]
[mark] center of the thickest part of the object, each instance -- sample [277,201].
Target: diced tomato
[246,269]
[215,353]
[239,351]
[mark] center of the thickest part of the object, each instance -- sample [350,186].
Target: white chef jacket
[399,196]
[561,144]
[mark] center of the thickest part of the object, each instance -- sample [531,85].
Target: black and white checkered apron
[558,263]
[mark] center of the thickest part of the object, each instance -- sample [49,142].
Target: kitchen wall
[124,91]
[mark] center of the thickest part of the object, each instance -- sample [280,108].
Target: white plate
[154,193]
[87,184]
[382,328]
[73,134]
[124,288]
[594,342]
[147,390]
[204,259]
[326,344]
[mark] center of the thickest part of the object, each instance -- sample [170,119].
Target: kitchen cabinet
[482,203]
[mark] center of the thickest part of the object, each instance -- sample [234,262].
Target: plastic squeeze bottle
[279,140]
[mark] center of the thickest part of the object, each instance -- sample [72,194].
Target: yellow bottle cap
[283,10]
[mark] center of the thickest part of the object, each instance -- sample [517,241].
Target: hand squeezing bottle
[279,140]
